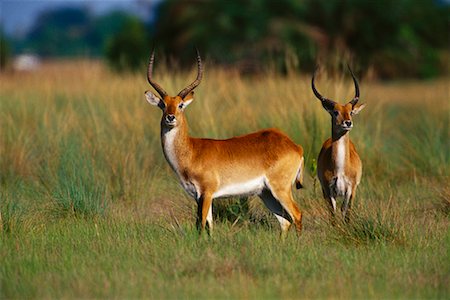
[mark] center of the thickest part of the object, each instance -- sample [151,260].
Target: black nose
[348,123]
[170,118]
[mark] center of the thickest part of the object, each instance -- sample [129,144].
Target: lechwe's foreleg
[347,204]
[331,202]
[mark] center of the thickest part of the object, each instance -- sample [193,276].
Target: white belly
[253,186]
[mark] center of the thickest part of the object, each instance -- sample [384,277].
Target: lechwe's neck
[177,146]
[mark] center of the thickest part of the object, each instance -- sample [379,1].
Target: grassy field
[90,208]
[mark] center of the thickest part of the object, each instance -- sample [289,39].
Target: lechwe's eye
[180,106]
[336,113]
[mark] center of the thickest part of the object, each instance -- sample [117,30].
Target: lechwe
[339,167]
[265,163]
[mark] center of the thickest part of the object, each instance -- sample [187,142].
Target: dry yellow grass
[80,157]
[109,114]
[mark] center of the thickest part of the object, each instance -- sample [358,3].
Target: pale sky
[16,16]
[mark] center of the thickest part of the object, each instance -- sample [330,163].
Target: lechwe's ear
[188,99]
[357,108]
[154,100]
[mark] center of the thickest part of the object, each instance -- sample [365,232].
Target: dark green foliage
[105,28]
[129,49]
[387,35]
[256,35]
[5,51]
[60,32]
[73,31]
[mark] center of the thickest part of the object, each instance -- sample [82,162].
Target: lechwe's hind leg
[275,207]
[287,201]
[284,215]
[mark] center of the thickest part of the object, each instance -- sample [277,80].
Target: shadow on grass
[242,211]
[230,216]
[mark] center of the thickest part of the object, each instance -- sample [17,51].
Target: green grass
[108,257]
[90,209]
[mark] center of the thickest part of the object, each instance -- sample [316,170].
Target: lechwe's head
[341,114]
[172,107]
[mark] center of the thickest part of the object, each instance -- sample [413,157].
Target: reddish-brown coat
[210,167]
[339,167]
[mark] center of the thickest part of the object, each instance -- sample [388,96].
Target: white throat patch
[340,156]
[169,148]
[169,138]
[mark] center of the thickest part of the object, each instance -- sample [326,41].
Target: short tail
[299,178]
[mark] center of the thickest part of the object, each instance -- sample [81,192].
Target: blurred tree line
[5,51]
[401,38]
[76,32]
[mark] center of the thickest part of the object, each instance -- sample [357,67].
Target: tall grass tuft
[363,230]
[75,188]
[374,219]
